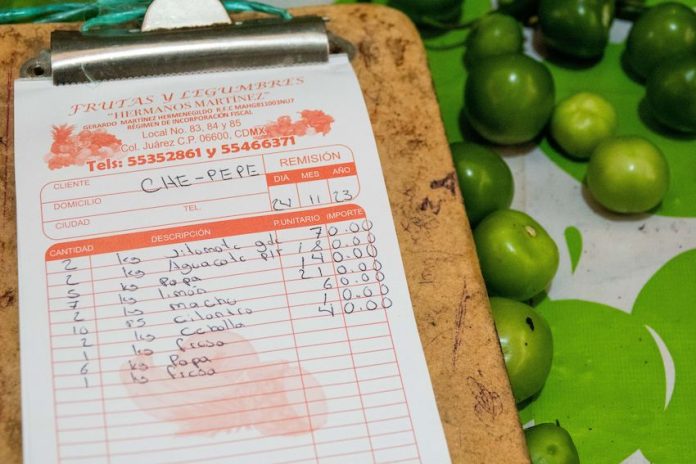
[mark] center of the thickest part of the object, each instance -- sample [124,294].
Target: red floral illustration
[310,122]
[70,149]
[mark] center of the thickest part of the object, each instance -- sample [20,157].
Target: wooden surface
[449,297]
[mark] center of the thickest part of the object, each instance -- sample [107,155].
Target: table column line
[101,374]
[297,353]
[53,369]
[396,358]
[328,187]
[268,187]
[299,197]
[350,346]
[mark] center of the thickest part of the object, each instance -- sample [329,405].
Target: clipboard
[448,294]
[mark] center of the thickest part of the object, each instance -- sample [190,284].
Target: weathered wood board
[448,293]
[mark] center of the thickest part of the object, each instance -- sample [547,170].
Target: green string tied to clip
[107,13]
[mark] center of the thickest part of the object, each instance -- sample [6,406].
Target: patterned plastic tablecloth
[622,307]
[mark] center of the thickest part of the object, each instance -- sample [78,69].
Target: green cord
[75,14]
[237,7]
[18,15]
[110,19]
[105,13]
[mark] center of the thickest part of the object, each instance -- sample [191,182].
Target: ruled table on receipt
[235,297]
[292,328]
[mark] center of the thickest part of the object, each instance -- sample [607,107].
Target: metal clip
[78,57]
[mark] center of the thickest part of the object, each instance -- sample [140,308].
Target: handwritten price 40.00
[225,149]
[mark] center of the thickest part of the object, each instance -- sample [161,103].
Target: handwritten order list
[209,272]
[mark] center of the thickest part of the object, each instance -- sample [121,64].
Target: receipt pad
[237,297]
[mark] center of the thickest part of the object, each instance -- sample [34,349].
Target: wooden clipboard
[449,297]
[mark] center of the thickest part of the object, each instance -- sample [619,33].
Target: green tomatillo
[671,93]
[580,122]
[494,34]
[664,31]
[484,179]
[551,444]
[508,99]
[577,28]
[520,9]
[518,258]
[527,344]
[628,174]
[443,11]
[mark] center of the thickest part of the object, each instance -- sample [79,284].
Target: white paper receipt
[209,273]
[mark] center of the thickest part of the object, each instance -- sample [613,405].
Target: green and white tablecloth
[622,307]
